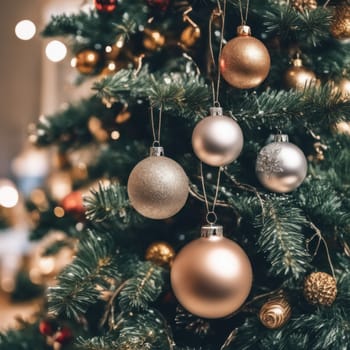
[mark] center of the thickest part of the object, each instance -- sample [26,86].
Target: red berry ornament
[161,5]
[73,204]
[47,327]
[64,335]
[106,6]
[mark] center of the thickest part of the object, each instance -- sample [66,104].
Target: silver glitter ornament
[217,140]
[281,166]
[158,186]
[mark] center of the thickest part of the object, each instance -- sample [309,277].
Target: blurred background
[36,80]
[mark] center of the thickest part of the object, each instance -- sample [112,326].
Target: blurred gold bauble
[86,61]
[245,61]
[344,88]
[302,5]
[160,253]
[340,27]
[275,312]
[190,36]
[298,77]
[153,39]
[112,52]
[211,277]
[320,288]
[217,140]
[342,128]
[113,67]
[158,186]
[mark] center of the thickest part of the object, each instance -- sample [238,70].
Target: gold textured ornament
[275,313]
[344,88]
[86,61]
[342,128]
[340,27]
[211,277]
[190,36]
[298,77]
[158,186]
[153,40]
[160,253]
[245,61]
[320,288]
[302,5]
[217,140]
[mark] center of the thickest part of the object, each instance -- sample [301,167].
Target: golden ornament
[275,313]
[212,276]
[160,253]
[344,88]
[298,77]
[302,5]
[245,61]
[342,128]
[340,27]
[86,61]
[158,186]
[190,36]
[153,40]
[320,288]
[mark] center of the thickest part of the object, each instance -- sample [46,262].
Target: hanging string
[156,134]
[326,3]
[321,239]
[211,215]
[245,17]
[220,12]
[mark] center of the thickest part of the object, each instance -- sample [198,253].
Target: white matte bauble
[217,140]
[158,186]
[281,166]
[211,277]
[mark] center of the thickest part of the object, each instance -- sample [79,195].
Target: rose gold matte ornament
[217,140]
[245,61]
[211,277]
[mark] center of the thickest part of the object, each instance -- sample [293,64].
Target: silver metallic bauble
[281,166]
[212,276]
[158,186]
[217,140]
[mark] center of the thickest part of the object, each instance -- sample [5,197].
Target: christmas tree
[232,231]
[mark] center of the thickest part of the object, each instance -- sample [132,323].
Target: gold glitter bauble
[190,36]
[160,253]
[275,313]
[340,27]
[217,140]
[153,40]
[344,88]
[211,277]
[342,128]
[86,61]
[298,77]
[320,288]
[302,5]
[158,187]
[245,61]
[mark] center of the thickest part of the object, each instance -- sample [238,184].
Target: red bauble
[106,6]
[64,335]
[73,204]
[47,327]
[161,5]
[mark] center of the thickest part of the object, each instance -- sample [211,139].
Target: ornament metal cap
[156,151]
[215,111]
[212,230]
[297,62]
[281,138]
[244,30]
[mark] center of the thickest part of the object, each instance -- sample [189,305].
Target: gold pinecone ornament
[320,288]
[275,313]
[160,253]
[340,27]
[301,5]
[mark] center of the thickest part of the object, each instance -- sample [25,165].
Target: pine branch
[94,265]
[96,343]
[281,239]
[143,288]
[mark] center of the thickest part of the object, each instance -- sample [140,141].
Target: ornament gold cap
[244,30]
[156,151]
[297,62]
[212,230]
[281,138]
[215,111]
